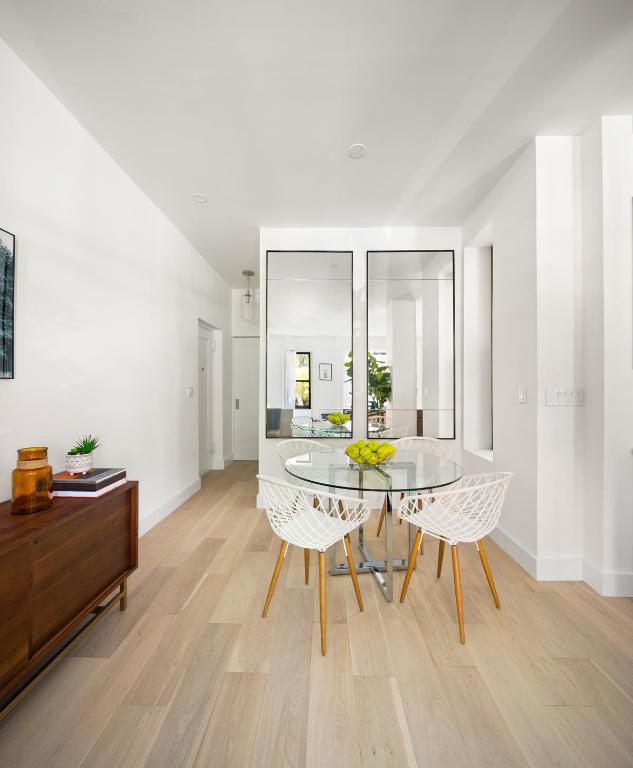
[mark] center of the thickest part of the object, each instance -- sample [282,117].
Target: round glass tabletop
[325,429]
[407,471]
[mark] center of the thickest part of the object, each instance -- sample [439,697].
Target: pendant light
[246,309]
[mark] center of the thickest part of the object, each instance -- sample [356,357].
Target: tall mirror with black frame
[308,344]
[411,344]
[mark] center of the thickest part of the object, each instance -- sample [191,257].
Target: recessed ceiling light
[356,151]
[200,198]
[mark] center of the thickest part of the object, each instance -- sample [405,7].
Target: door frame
[213,395]
[256,343]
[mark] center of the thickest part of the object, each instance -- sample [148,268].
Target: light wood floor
[191,675]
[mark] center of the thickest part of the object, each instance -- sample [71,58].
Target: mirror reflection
[308,344]
[410,343]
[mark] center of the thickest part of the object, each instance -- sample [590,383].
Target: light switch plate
[523,394]
[559,396]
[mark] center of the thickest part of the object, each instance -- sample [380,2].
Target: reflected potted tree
[378,383]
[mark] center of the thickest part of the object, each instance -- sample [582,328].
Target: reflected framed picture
[325,371]
[7,315]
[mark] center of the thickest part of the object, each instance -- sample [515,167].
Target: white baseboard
[228,459]
[608,583]
[147,522]
[559,569]
[517,552]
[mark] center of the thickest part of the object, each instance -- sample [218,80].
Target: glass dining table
[324,428]
[407,472]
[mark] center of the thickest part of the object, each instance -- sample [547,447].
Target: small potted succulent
[79,457]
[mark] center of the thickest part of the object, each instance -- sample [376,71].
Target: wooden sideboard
[57,568]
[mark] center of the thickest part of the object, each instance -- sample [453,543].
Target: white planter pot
[78,464]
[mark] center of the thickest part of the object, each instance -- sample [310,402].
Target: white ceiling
[255,103]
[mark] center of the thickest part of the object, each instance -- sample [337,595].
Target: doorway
[246,396]
[206,421]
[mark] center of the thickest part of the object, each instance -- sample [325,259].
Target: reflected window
[302,380]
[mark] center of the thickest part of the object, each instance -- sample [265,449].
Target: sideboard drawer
[81,572]
[15,583]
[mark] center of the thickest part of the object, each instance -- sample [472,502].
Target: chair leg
[400,519]
[412,558]
[322,605]
[273,581]
[352,570]
[488,572]
[383,514]
[457,578]
[440,557]
[306,564]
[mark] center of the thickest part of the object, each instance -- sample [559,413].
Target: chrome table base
[381,569]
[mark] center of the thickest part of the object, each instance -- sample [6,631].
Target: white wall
[560,433]
[108,296]
[562,317]
[607,167]
[510,210]
[477,348]
[359,241]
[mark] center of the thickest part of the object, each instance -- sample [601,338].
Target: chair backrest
[288,449]
[393,433]
[428,445]
[300,421]
[467,512]
[319,518]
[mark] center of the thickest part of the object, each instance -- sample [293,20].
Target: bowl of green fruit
[338,418]
[370,453]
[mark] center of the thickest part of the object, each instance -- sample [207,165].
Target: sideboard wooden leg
[123,595]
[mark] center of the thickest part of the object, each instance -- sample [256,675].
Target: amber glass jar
[32,482]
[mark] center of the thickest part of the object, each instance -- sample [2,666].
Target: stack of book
[94,483]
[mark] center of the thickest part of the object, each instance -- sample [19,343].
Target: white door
[246,396]
[205,427]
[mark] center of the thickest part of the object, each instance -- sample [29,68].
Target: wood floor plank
[282,728]
[186,719]
[332,732]
[163,671]
[606,697]
[382,741]
[541,742]
[49,703]
[370,649]
[185,579]
[116,625]
[75,729]
[433,728]
[485,734]
[126,739]
[229,738]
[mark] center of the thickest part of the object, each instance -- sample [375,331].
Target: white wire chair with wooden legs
[429,445]
[288,449]
[466,513]
[312,520]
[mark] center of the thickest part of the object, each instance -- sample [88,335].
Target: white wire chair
[288,449]
[429,445]
[312,520]
[394,433]
[467,512]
